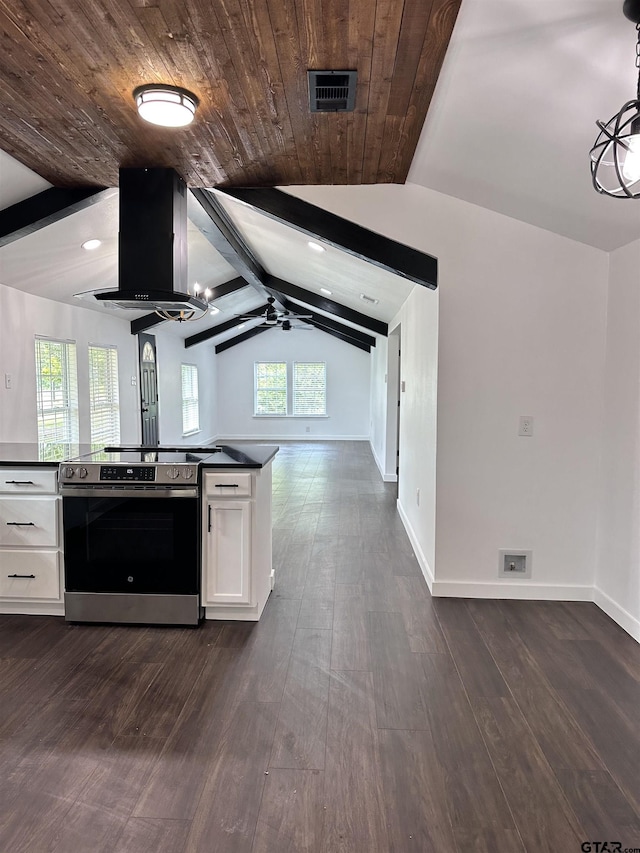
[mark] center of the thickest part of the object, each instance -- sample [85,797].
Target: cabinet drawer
[227,484]
[37,574]
[28,521]
[28,481]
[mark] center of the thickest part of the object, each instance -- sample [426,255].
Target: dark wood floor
[358,715]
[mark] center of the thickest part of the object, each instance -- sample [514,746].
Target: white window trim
[114,405]
[50,445]
[289,367]
[196,429]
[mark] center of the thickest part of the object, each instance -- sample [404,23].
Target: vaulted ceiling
[68,69]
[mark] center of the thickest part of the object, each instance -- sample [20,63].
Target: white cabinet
[236,551]
[30,563]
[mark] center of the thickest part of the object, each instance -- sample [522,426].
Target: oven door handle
[110,492]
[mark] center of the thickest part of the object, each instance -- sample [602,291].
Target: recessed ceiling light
[241,326]
[324,290]
[214,310]
[316,247]
[369,299]
[168,106]
[89,245]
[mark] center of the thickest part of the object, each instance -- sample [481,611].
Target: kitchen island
[233,549]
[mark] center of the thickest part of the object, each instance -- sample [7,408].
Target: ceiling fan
[270,316]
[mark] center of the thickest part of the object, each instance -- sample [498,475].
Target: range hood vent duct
[332,91]
[152,243]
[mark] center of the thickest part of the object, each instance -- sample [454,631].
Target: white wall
[618,570]
[521,332]
[22,317]
[348,387]
[171,355]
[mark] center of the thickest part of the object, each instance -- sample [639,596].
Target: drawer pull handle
[21,576]
[20,524]
[19,483]
[209,518]
[226,485]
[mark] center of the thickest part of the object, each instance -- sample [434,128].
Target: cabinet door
[227,565]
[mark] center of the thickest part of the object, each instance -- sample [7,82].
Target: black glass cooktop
[141,455]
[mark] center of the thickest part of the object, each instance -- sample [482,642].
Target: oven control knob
[82,473]
[68,472]
[173,473]
[187,473]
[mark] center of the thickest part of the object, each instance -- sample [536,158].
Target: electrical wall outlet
[418,496]
[308,429]
[526,425]
[514,563]
[8,381]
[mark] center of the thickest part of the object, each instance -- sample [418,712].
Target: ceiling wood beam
[215,224]
[28,216]
[243,336]
[341,233]
[213,331]
[217,292]
[328,305]
[340,335]
[327,324]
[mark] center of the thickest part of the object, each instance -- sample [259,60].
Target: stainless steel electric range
[131,529]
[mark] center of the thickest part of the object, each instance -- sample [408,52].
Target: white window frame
[299,390]
[289,388]
[189,381]
[104,395]
[57,404]
[272,413]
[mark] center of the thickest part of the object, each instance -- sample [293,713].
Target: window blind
[270,388]
[309,388]
[56,396]
[190,401]
[104,395]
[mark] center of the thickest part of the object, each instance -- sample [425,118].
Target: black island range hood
[152,244]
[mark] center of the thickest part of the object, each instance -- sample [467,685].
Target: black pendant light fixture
[615,156]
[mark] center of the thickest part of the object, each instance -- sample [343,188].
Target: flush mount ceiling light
[326,291]
[168,106]
[316,246]
[369,299]
[90,245]
[615,156]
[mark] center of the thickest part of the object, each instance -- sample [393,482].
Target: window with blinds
[104,395]
[270,388]
[309,388]
[56,397]
[190,401]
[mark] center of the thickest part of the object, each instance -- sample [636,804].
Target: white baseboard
[386,478]
[280,439]
[619,615]
[422,560]
[522,590]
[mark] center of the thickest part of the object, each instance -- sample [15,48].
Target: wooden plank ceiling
[68,68]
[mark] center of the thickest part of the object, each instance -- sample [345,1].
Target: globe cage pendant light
[615,156]
[167,106]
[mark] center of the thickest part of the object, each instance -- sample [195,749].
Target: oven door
[131,544]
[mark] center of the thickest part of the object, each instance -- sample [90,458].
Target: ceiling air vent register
[332,91]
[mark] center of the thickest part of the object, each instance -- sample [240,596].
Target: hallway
[358,716]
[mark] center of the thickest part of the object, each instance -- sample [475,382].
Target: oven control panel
[131,473]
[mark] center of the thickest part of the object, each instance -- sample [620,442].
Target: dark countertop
[241,456]
[49,456]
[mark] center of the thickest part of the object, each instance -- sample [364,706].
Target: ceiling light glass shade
[90,245]
[316,247]
[615,156]
[168,106]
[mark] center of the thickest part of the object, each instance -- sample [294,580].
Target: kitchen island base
[237,574]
